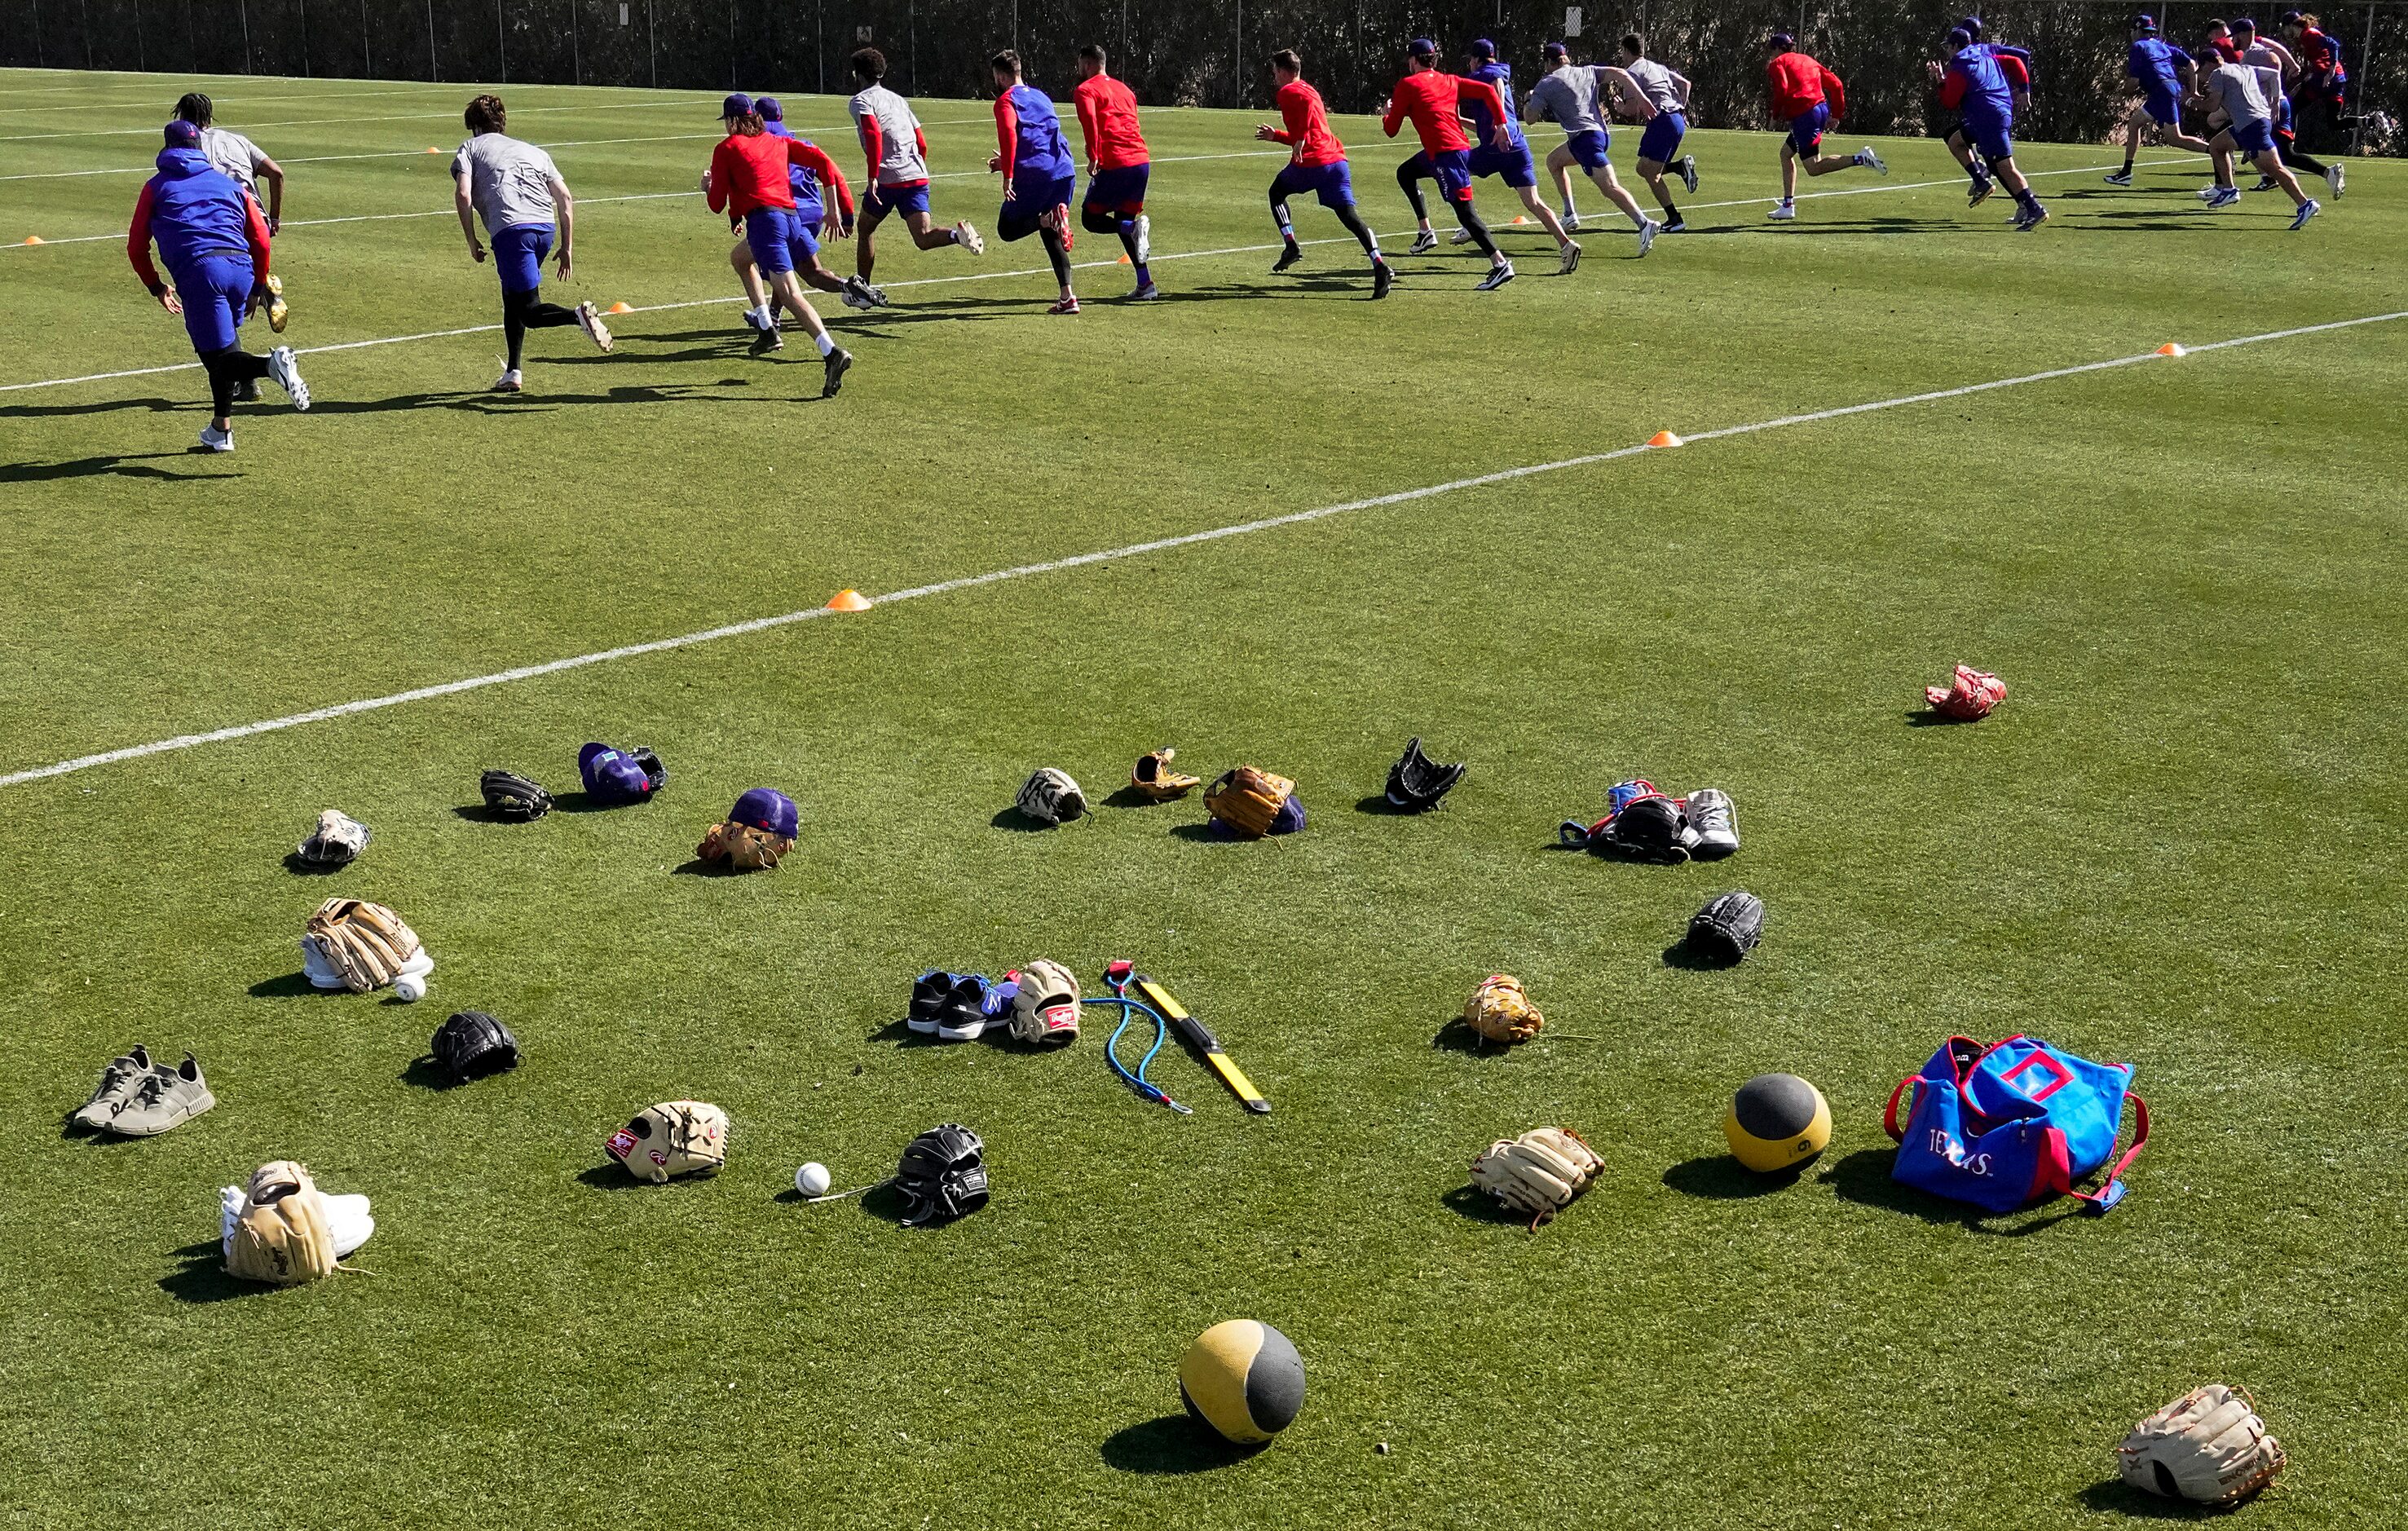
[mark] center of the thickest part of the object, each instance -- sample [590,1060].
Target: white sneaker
[2334,178]
[1568,259]
[1872,161]
[1460,237]
[1647,233]
[1572,221]
[589,319]
[1424,242]
[285,373]
[967,238]
[213,439]
[1498,275]
[1689,173]
[857,293]
[1714,827]
[1144,240]
[1783,212]
[512,382]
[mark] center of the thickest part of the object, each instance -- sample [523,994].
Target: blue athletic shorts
[1660,140]
[214,287]
[2255,138]
[1121,191]
[1513,165]
[1806,128]
[518,254]
[1333,184]
[2164,106]
[1589,148]
[1990,138]
[1450,167]
[1032,198]
[778,240]
[882,200]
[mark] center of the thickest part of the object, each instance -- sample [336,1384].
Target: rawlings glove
[1045,1008]
[2208,1445]
[473,1044]
[1727,928]
[674,1138]
[1539,1172]
[942,1175]
[1050,797]
[1250,804]
[359,946]
[1501,1011]
[336,841]
[509,796]
[1156,781]
[759,830]
[1969,697]
[282,1233]
[1415,781]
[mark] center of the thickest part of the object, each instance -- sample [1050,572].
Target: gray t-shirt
[2237,89]
[898,135]
[1569,95]
[1657,83]
[235,155]
[508,181]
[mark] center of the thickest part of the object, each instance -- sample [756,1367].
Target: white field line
[683,103]
[1134,549]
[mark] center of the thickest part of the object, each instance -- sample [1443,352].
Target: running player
[2016,64]
[2264,51]
[1037,173]
[2243,91]
[1569,93]
[214,240]
[1117,166]
[1975,83]
[898,167]
[2321,95]
[1433,101]
[748,179]
[2165,74]
[1316,162]
[237,157]
[517,190]
[817,222]
[1668,91]
[1511,161]
[1809,98]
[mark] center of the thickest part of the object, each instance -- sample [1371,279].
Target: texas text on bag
[2007,1124]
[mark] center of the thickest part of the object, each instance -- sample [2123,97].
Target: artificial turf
[2174,846]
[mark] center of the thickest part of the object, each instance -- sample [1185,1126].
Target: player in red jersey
[1809,98]
[748,179]
[1117,166]
[1316,162]
[1433,101]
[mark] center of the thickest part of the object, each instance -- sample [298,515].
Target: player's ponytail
[749,125]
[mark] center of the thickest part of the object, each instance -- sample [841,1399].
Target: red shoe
[1067,306]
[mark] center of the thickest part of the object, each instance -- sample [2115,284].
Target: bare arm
[468,211]
[565,207]
[272,173]
[1619,81]
[1682,81]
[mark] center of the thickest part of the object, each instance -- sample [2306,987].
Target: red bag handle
[2110,1194]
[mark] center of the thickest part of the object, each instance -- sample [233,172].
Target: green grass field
[2175,846]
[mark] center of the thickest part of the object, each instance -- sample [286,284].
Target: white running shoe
[1572,221]
[2334,178]
[2307,209]
[1460,237]
[589,319]
[857,293]
[1689,173]
[1144,240]
[213,439]
[1783,212]
[512,382]
[1647,233]
[1872,161]
[285,373]
[1424,242]
[967,238]
[1714,827]
[1567,258]
[1498,275]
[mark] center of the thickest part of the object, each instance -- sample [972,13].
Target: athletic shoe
[1498,275]
[1983,187]
[962,1016]
[1288,257]
[929,993]
[1144,240]
[1571,221]
[285,373]
[1148,294]
[1382,279]
[765,341]
[1647,233]
[247,390]
[163,1099]
[838,362]
[2207,192]
[967,238]
[117,1082]
[1460,237]
[1714,827]
[2034,216]
[2225,196]
[1567,258]
[1424,242]
[2334,178]
[1689,173]
[2265,183]
[213,439]
[512,382]
[878,295]
[1675,226]
[1783,212]
[750,321]
[2121,177]
[1067,306]
[277,311]
[859,294]
[1872,161]
[2307,209]
[589,319]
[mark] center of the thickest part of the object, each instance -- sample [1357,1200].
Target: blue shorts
[1032,197]
[1332,183]
[1660,140]
[1450,167]
[1513,163]
[1806,128]
[1121,191]
[2255,138]
[214,289]
[518,255]
[882,200]
[1988,138]
[778,240]
[2164,108]
[1589,148]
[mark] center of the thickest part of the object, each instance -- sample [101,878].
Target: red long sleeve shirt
[1307,126]
[1432,99]
[749,171]
[137,238]
[1800,85]
[1108,124]
[873,143]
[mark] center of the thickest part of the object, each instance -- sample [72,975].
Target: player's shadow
[1718,1177]
[2116,1496]
[100,407]
[1172,1444]
[1475,1205]
[203,1276]
[520,404]
[287,986]
[134,465]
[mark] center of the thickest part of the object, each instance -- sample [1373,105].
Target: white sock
[761,318]
[825,342]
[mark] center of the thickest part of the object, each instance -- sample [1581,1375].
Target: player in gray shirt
[897,151]
[517,190]
[1574,94]
[237,156]
[2241,91]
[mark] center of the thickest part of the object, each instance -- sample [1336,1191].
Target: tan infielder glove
[1501,1011]
[1248,800]
[2208,1445]
[1156,781]
[363,944]
[674,1138]
[1539,1172]
[743,847]
[1046,1010]
[281,1235]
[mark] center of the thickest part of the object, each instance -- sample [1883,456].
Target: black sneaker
[1382,279]
[1498,275]
[765,341]
[1675,226]
[1689,173]
[1424,242]
[247,390]
[962,1017]
[839,362]
[1288,257]
[928,991]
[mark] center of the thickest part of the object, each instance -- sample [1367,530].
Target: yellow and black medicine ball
[1777,1122]
[1243,1379]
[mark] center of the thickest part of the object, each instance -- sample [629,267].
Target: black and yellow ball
[1777,1122]
[1243,1379]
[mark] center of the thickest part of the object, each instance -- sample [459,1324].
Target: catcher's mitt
[674,1138]
[1045,1008]
[337,840]
[1728,927]
[473,1044]
[1969,696]
[742,847]
[510,795]
[1539,1172]
[1050,796]
[1415,781]
[281,1235]
[1253,802]
[1155,779]
[1501,1011]
[2208,1445]
[360,944]
[942,1175]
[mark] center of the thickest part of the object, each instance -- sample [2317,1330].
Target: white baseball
[409,988]
[812,1180]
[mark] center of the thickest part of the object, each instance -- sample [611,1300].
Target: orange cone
[2170,348]
[1124,260]
[849,600]
[34,239]
[1521,217]
[618,309]
[1664,438]
[431,150]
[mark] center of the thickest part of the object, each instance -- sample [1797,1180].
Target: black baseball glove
[1728,927]
[1415,781]
[473,1044]
[649,764]
[1647,829]
[942,1175]
[510,795]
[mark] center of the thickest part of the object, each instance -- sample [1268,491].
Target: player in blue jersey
[1509,162]
[2165,75]
[816,220]
[1038,175]
[2017,63]
[1976,82]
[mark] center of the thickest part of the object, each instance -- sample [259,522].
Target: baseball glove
[1155,779]
[1045,1008]
[337,840]
[281,1235]
[473,1044]
[1969,697]
[1050,796]
[743,847]
[1501,1011]
[1415,781]
[1539,1172]
[1648,827]
[1253,803]
[942,1175]
[510,795]
[362,944]
[1728,927]
[2208,1445]
[674,1138]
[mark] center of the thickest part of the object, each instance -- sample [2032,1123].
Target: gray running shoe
[117,1082]
[165,1097]
[1714,828]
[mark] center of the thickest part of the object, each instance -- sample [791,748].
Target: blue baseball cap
[2144,22]
[766,810]
[611,776]
[1421,47]
[1554,50]
[2243,25]
[1959,37]
[738,105]
[768,108]
[1483,49]
[183,135]
[1781,42]
[1972,26]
